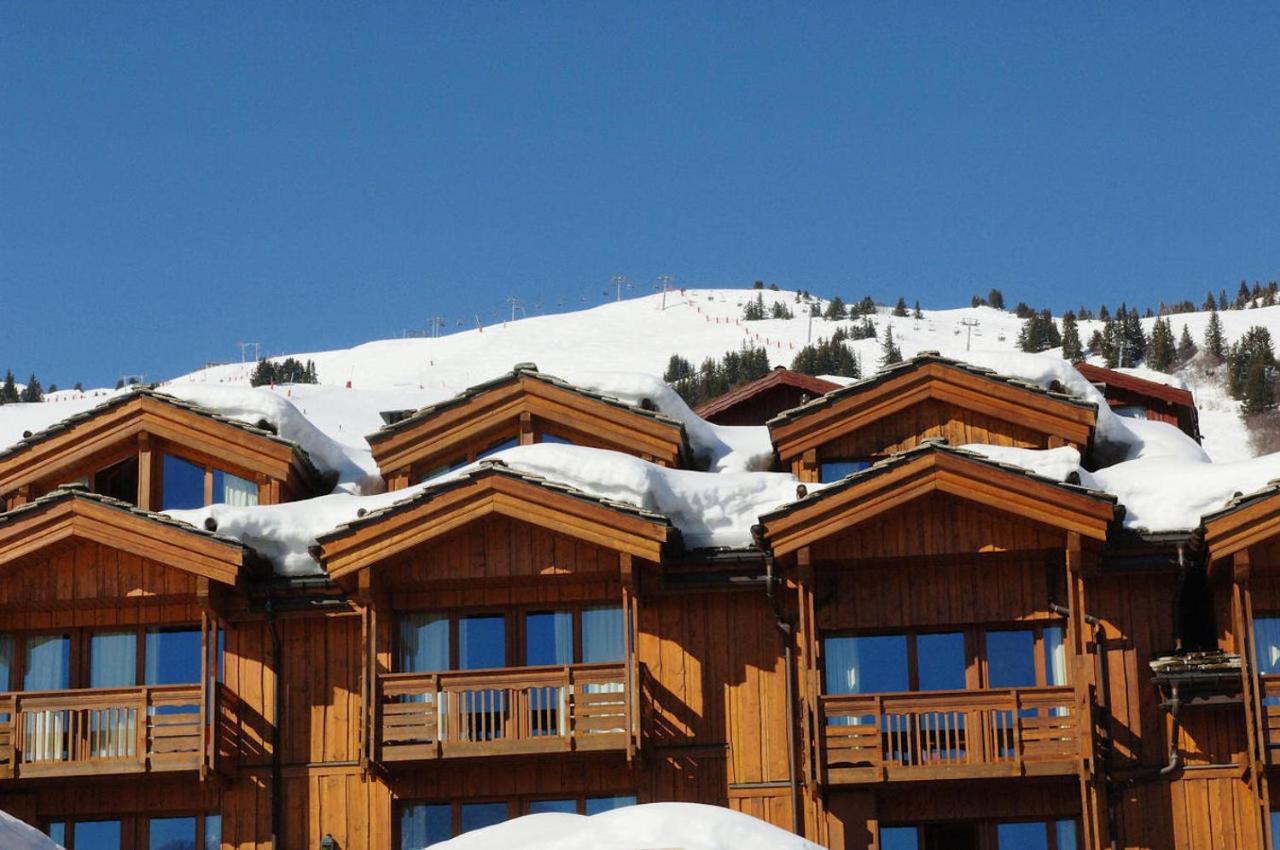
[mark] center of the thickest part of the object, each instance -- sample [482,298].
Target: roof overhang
[1250,521]
[437,432]
[857,406]
[874,492]
[66,516]
[490,491]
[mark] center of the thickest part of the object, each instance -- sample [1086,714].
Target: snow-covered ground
[1166,481]
[16,835]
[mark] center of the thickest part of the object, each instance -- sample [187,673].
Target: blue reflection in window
[866,665]
[173,656]
[540,807]
[1065,831]
[548,637]
[423,824]
[556,439]
[899,838]
[596,805]
[941,660]
[1022,836]
[98,834]
[834,470]
[183,484]
[213,832]
[171,834]
[480,815]
[482,642]
[58,832]
[497,447]
[1266,642]
[1011,659]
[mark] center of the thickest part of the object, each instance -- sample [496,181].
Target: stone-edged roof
[485,468]
[520,370]
[137,390]
[1243,500]
[66,492]
[922,359]
[927,447]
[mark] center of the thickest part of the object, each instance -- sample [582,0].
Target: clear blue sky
[175,177]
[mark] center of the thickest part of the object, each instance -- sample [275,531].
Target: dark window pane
[98,834]
[171,834]
[1266,641]
[173,657]
[48,663]
[548,637]
[899,838]
[422,825]
[113,660]
[497,447]
[603,638]
[866,665]
[834,470]
[480,815]
[1011,659]
[538,807]
[119,481]
[482,643]
[596,805]
[183,484]
[1022,836]
[941,660]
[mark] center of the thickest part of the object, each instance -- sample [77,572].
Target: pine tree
[917,314]
[79,387]
[1223,303]
[32,392]
[1072,351]
[9,389]
[996,299]
[828,357]
[1096,343]
[53,388]
[889,351]
[1215,345]
[1186,347]
[264,373]
[836,309]
[900,309]
[977,301]
[1257,394]
[1161,350]
[754,310]
[780,310]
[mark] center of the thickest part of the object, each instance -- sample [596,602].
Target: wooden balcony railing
[105,730]
[504,712]
[1269,691]
[948,734]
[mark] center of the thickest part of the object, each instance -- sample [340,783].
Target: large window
[944,661]
[967,835]
[86,834]
[190,485]
[189,832]
[422,825]
[1266,644]
[834,470]
[105,658]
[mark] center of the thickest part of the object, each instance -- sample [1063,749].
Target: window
[423,824]
[555,438]
[47,665]
[110,658]
[497,447]
[443,469]
[1266,644]
[482,642]
[191,832]
[1275,831]
[568,807]
[1011,659]
[964,835]
[834,470]
[424,643]
[1037,835]
[596,805]
[899,838]
[866,665]
[548,638]
[119,481]
[1130,411]
[185,485]
[113,660]
[602,635]
[172,656]
[86,834]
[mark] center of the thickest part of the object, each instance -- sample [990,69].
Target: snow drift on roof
[688,826]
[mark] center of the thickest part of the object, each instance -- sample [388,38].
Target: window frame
[210,468]
[80,639]
[517,806]
[135,829]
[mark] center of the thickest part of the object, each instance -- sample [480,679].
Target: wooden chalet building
[1130,395]
[925,650]
[758,401]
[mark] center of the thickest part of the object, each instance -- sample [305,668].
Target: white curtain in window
[1055,651]
[1266,639]
[424,643]
[841,661]
[48,658]
[238,491]
[602,635]
[113,660]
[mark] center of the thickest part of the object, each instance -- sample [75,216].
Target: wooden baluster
[1017,731]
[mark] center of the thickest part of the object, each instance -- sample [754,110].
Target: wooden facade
[758,401]
[416,674]
[1130,395]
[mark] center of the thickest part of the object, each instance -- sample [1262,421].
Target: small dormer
[522,407]
[927,397]
[158,452]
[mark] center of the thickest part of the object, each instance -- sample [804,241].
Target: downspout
[277,796]
[786,631]
[1104,708]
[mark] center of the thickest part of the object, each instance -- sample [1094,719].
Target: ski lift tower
[619,281]
[664,284]
[970,324]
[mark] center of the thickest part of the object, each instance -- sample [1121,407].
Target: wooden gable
[1247,531]
[522,406]
[68,520]
[927,398]
[147,424]
[548,517]
[936,500]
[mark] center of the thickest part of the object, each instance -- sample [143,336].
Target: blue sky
[176,177]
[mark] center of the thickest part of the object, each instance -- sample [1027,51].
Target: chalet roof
[1241,501]
[484,469]
[140,391]
[397,422]
[1172,395]
[777,377]
[922,359]
[902,458]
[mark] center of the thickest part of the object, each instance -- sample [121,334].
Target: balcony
[582,707]
[106,731]
[948,735]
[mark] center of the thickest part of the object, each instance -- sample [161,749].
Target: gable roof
[1048,410]
[778,376]
[21,453]
[1247,519]
[73,512]
[936,467]
[493,487]
[626,418]
[1162,392]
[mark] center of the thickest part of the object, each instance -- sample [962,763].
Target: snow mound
[17,835]
[687,826]
[1057,464]
[1153,376]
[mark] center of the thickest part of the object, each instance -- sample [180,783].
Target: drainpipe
[277,796]
[786,631]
